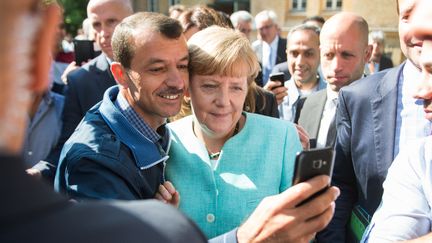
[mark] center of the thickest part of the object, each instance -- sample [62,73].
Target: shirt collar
[135,120]
[411,77]
[331,94]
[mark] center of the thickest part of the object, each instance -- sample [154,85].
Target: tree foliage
[74,13]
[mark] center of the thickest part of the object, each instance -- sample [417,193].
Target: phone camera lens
[317,164]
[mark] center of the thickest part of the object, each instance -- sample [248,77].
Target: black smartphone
[280,76]
[84,51]
[311,163]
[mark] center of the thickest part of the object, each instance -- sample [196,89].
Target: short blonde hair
[221,51]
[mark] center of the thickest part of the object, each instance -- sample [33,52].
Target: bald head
[345,23]
[344,49]
[104,16]
[126,5]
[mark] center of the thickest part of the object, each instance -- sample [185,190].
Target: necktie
[331,134]
[267,68]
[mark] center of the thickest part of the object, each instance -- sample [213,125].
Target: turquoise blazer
[255,163]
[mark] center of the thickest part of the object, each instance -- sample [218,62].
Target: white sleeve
[405,211]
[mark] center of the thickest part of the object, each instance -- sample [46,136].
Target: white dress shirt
[327,117]
[405,212]
[288,107]
[269,54]
[411,123]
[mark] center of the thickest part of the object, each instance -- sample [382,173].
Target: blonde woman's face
[217,102]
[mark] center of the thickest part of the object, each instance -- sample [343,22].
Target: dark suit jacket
[265,103]
[280,55]
[282,67]
[31,212]
[366,124]
[385,63]
[312,111]
[85,88]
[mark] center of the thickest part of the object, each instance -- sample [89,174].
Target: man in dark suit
[344,51]
[270,47]
[31,212]
[87,84]
[376,117]
[378,60]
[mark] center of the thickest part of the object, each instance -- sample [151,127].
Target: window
[298,5]
[333,4]
[152,6]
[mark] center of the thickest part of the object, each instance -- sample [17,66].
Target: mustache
[171,91]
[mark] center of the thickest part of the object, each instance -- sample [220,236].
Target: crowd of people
[176,132]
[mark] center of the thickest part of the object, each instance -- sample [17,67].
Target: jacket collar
[145,152]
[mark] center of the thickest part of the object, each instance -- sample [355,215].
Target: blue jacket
[107,158]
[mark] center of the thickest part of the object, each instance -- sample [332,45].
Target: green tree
[74,13]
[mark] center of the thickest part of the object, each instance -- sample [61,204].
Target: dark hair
[125,32]
[225,19]
[201,17]
[315,18]
[300,27]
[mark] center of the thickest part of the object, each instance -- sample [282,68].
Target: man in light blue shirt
[303,59]
[405,211]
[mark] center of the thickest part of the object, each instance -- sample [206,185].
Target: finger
[176,199]
[319,204]
[319,222]
[164,193]
[270,85]
[159,197]
[302,130]
[298,193]
[169,187]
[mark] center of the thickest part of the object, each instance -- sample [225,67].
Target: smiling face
[410,45]
[422,30]
[217,102]
[303,56]
[155,83]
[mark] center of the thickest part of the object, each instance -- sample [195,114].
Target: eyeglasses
[266,27]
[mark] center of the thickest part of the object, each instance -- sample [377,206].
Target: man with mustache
[377,116]
[404,214]
[119,149]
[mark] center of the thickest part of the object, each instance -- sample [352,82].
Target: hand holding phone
[280,76]
[84,51]
[311,163]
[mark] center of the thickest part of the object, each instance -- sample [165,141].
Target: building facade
[381,15]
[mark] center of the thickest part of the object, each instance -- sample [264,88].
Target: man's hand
[277,219]
[34,173]
[168,194]
[304,137]
[71,67]
[277,89]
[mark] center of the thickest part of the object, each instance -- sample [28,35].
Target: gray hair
[376,36]
[301,27]
[241,15]
[127,4]
[265,15]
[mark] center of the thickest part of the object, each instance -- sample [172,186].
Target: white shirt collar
[411,78]
[331,94]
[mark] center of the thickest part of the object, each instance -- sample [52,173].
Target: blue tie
[267,68]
